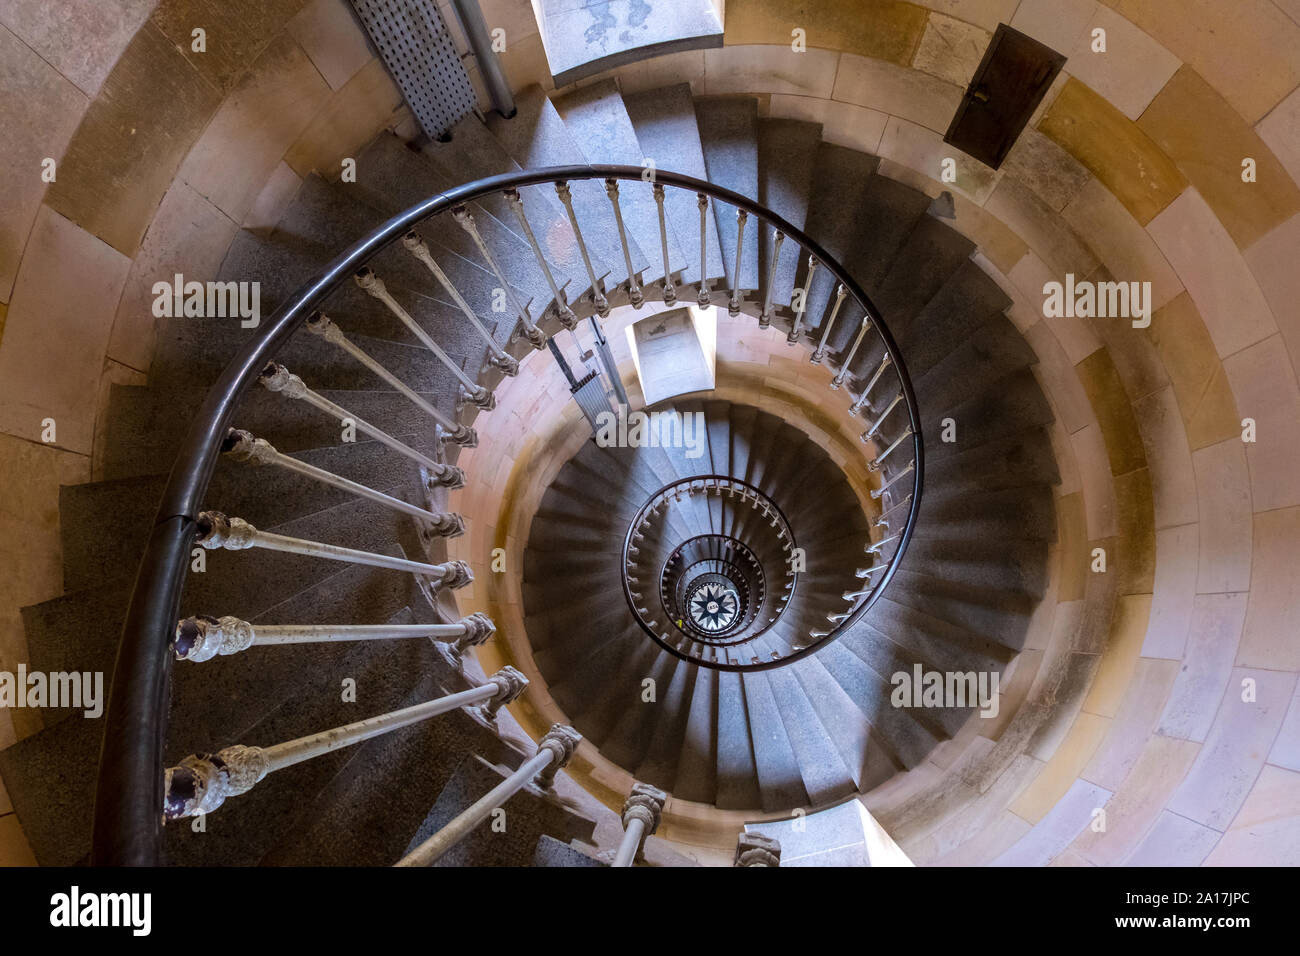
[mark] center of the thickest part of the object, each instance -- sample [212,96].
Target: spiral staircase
[784,704]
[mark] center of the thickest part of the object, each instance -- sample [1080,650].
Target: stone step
[371,810]
[825,775]
[787,152]
[532,813]
[780,784]
[147,425]
[1011,405]
[598,121]
[1019,460]
[263,496]
[536,137]
[728,133]
[737,774]
[990,353]
[1003,616]
[696,774]
[667,132]
[472,153]
[955,511]
[392,177]
[660,762]
[908,741]
[246,827]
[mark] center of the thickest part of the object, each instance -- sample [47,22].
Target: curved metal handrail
[758,593]
[706,483]
[677,597]
[129,787]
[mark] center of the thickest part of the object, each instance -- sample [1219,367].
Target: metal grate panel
[418,51]
[591,397]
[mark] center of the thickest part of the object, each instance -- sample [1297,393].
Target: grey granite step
[564,645]
[246,827]
[779,782]
[332,217]
[859,751]
[531,813]
[146,425]
[222,699]
[567,630]
[393,177]
[728,133]
[718,425]
[552,852]
[991,352]
[51,784]
[737,777]
[968,511]
[245,583]
[1018,565]
[631,717]
[369,813]
[928,638]
[932,252]
[537,137]
[787,152]
[473,153]
[841,181]
[667,132]
[1009,406]
[262,496]
[1003,616]
[598,121]
[890,659]
[907,740]
[577,691]
[696,776]
[967,300]
[825,775]
[659,765]
[1016,461]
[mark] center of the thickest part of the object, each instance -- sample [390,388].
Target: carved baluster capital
[277,378]
[242,446]
[413,242]
[510,684]
[446,525]
[449,477]
[479,629]
[370,283]
[203,782]
[465,436]
[457,574]
[321,324]
[561,741]
[215,530]
[203,638]
[754,849]
[644,803]
[479,396]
